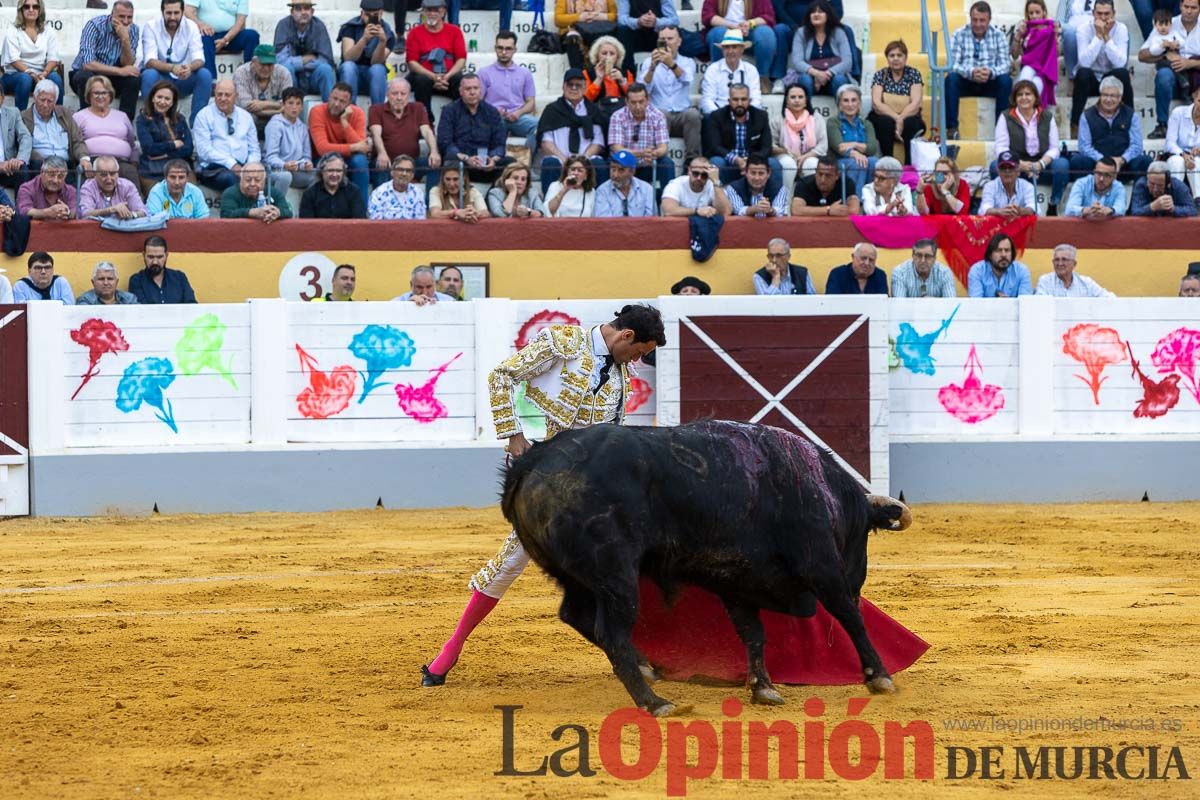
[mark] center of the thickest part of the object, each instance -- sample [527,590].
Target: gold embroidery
[489,570]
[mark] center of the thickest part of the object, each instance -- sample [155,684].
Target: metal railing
[937,68]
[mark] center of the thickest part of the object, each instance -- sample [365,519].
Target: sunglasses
[229,126]
[699,174]
[31,7]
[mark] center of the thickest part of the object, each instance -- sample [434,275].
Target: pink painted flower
[542,319]
[327,394]
[1094,347]
[1179,350]
[99,337]
[419,402]
[974,401]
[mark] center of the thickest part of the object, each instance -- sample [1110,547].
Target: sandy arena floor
[276,655]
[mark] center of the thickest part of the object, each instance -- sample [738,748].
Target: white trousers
[1178,171]
[498,574]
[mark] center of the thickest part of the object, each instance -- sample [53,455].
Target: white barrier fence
[270,373]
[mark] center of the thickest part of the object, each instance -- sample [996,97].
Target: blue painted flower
[382,347]
[144,382]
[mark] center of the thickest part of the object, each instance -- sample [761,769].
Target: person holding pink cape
[1035,42]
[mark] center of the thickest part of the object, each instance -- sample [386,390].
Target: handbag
[825,63]
[545,42]
[594,30]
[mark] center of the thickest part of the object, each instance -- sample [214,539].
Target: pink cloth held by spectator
[1041,55]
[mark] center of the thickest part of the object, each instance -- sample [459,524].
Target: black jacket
[719,133]
[347,203]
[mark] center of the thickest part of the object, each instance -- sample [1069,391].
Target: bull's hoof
[881,684]
[668,709]
[767,696]
[431,678]
[651,674]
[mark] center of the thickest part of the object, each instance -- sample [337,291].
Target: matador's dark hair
[644,321]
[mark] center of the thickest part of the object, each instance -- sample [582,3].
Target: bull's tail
[888,513]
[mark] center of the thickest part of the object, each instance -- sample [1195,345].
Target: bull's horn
[880,500]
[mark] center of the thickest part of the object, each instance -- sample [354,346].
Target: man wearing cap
[1189,285]
[437,55]
[779,276]
[366,42]
[223,28]
[729,70]
[259,85]
[623,194]
[690,285]
[172,50]
[668,76]
[472,133]
[641,130]
[1008,194]
[571,126]
[303,47]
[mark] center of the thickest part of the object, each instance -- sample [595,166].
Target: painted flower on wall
[542,319]
[1094,347]
[144,382]
[327,393]
[915,350]
[199,348]
[100,337]
[419,402]
[1158,397]
[1179,351]
[974,401]
[382,347]
[639,394]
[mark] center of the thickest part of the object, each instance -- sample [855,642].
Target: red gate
[14,412]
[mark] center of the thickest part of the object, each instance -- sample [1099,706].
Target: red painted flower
[639,395]
[542,319]
[1094,347]
[327,394]
[1158,397]
[1179,351]
[99,337]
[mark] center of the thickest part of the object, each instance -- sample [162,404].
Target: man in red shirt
[339,126]
[437,55]
[396,129]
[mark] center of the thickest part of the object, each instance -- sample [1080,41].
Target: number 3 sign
[306,276]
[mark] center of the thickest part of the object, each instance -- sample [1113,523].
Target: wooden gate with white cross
[815,366]
[14,416]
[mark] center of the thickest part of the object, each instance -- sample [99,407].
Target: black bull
[755,515]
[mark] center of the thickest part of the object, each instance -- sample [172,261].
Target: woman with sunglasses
[575,194]
[29,54]
[106,131]
[162,132]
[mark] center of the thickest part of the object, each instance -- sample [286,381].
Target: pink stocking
[479,606]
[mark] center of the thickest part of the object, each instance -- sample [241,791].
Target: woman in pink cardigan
[756,20]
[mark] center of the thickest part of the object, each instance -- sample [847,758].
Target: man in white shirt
[668,77]
[172,50]
[720,75]
[1103,51]
[697,193]
[226,139]
[1063,282]
[1173,74]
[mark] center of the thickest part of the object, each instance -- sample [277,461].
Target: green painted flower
[200,348]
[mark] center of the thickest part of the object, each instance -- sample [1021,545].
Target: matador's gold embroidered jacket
[561,393]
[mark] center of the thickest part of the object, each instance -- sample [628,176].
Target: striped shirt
[99,43]
[906,282]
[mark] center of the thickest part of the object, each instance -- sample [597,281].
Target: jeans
[829,89]
[860,175]
[526,126]
[284,180]
[1135,168]
[999,87]
[246,41]
[370,80]
[552,170]
[1144,11]
[198,85]
[423,90]
[1070,50]
[20,86]
[1168,84]
[319,80]
[730,173]
[770,49]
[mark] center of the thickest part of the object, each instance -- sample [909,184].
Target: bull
[758,516]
